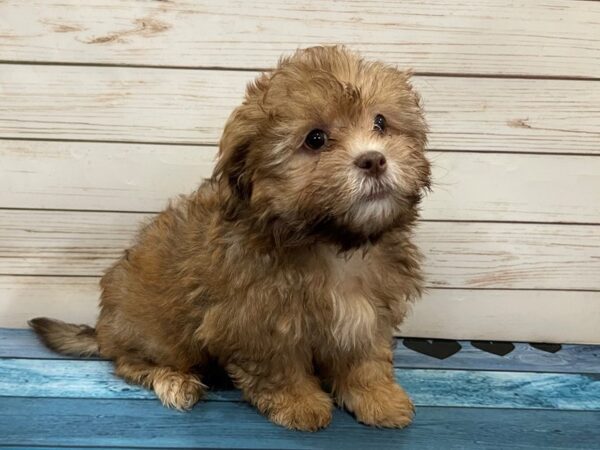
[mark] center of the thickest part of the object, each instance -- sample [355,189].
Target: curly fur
[281,267]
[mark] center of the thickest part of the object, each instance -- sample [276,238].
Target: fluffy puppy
[292,265]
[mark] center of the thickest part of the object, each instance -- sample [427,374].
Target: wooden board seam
[124,211]
[242,401]
[426,287]
[397,366]
[212,144]
[440,74]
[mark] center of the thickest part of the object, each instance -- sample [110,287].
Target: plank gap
[506,76]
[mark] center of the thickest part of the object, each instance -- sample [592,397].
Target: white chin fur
[373,215]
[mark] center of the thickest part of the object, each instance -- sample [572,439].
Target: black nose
[373,163]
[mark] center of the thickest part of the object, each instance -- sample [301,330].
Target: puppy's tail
[66,338]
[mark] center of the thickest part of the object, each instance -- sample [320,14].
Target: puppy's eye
[316,139]
[379,123]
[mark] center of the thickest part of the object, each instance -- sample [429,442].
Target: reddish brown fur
[277,267]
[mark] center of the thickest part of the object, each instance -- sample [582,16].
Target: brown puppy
[292,265]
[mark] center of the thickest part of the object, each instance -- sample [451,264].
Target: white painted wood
[134,177]
[533,37]
[442,313]
[191,106]
[459,254]
[99,176]
[68,298]
[522,150]
[514,187]
[505,255]
[528,316]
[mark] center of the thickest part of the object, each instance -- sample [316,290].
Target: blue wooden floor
[528,398]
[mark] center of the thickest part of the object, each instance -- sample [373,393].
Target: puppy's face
[327,141]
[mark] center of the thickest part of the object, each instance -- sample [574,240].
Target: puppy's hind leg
[175,389]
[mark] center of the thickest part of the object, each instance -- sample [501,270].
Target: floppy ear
[418,127]
[232,171]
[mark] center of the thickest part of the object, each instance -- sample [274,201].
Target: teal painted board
[21,343]
[94,379]
[138,423]
[75,379]
[570,359]
[37,447]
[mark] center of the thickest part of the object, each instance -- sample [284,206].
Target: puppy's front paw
[383,406]
[178,390]
[309,413]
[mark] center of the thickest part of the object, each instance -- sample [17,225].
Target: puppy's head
[325,145]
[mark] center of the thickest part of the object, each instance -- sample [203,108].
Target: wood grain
[537,37]
[62,447]
[523,148]
[74,299]
[450,388]
[99,176]
[140,423]
[459,254]
[442,313]
[500,315]
[18,343]
[191,106]
[134,177]
[569,359]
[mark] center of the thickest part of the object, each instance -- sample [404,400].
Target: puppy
[292,265]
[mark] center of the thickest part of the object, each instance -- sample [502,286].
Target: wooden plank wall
[110,107]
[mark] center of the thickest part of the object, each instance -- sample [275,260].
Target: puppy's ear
[233,170]
[409,116]
[233,153]
[416,127]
